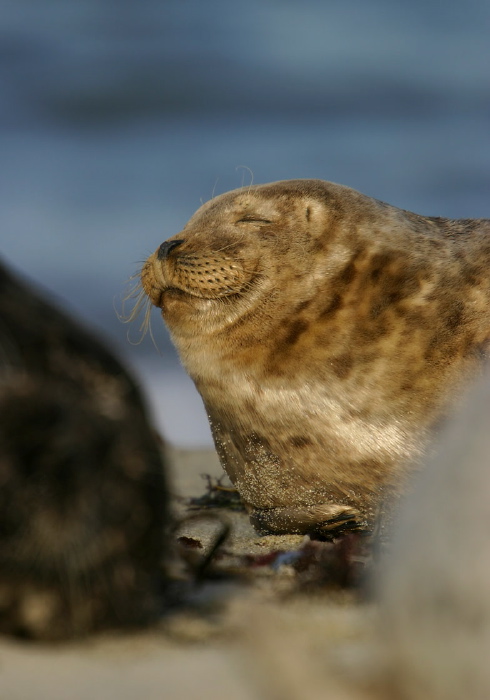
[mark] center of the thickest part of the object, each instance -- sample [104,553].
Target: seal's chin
[161,297]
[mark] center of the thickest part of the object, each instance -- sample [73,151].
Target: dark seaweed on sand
[217,495]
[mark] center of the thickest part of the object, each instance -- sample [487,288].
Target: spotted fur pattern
[327,333]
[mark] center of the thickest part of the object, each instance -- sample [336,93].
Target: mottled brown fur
[331,316]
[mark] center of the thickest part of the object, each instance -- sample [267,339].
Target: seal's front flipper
[327,519]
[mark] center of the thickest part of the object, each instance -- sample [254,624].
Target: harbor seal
[327,333]
[83,486]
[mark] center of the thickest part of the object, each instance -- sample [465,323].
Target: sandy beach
[235,641]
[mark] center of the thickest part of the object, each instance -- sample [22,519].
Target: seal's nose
[166,247]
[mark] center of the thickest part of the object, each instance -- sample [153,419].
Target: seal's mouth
[174,293]
[187,294]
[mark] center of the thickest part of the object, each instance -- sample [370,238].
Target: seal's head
[236,251]
[325,331]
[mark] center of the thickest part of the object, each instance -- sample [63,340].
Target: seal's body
[83,495]
[327,332]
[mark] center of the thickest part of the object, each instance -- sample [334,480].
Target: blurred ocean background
[119,117]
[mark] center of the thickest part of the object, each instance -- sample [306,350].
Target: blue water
[118,118]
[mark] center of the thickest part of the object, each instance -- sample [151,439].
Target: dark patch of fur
[302,306]
[334,305]
[347,274]
[342,365]
[296,330]
[299,441]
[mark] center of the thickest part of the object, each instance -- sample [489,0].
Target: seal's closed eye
[253,219]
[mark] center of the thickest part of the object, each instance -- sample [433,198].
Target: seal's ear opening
[166,248]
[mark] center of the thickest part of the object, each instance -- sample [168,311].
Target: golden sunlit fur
[327,333]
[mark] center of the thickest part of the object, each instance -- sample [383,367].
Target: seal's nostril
[166,247]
